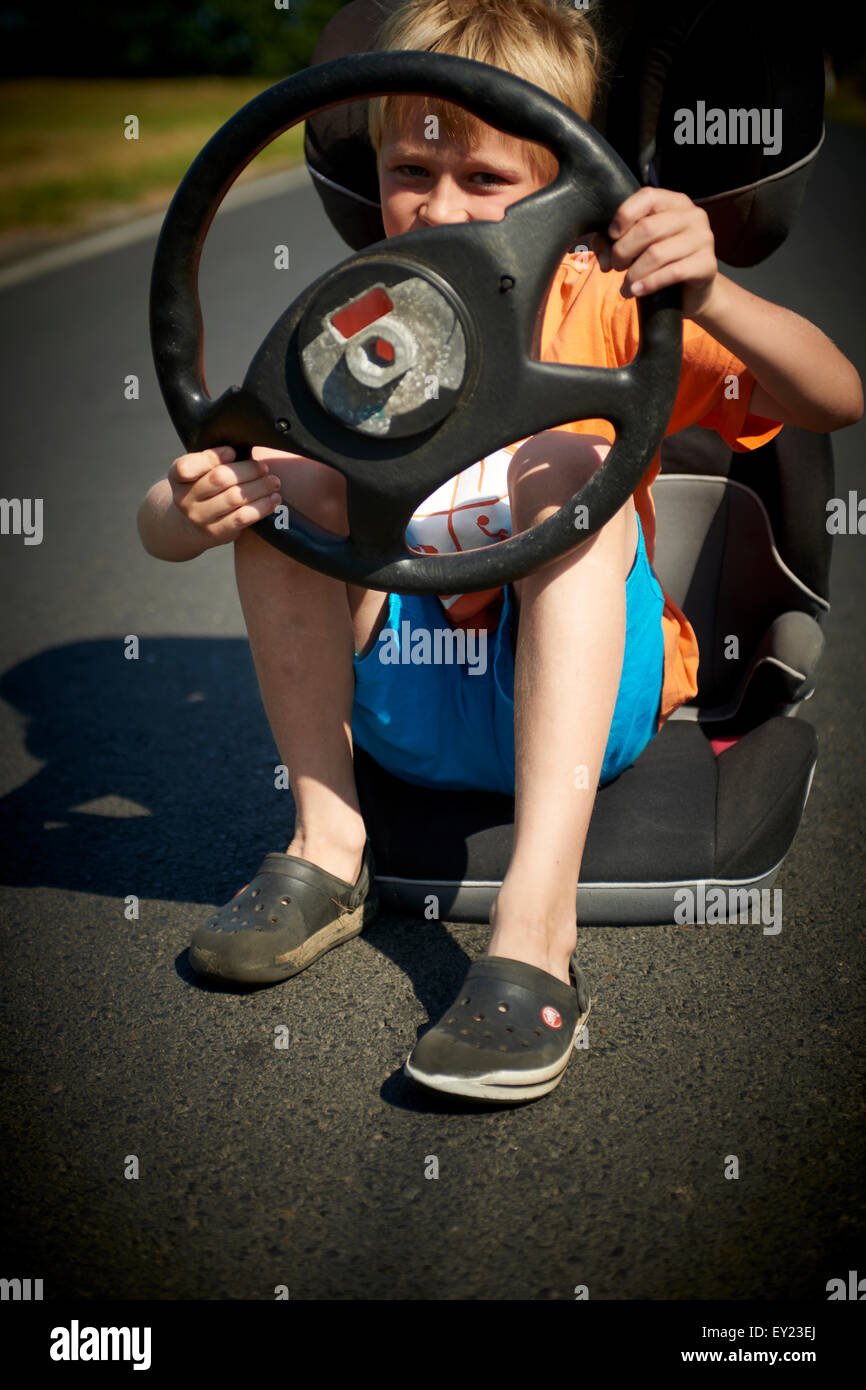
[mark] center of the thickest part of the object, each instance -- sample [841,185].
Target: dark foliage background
[173,38]
[159,38]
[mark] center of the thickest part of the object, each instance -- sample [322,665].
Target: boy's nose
[443,205]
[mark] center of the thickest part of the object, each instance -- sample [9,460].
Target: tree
[160,38]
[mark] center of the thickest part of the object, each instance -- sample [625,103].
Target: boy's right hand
[220,496]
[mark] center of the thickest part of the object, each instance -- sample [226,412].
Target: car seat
[741,546]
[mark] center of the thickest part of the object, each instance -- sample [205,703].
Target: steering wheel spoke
[238,418]
[377,520]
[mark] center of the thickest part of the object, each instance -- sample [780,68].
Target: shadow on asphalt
[436,966]
[158,773]
[158,779]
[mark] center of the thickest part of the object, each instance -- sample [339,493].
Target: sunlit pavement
[147,787]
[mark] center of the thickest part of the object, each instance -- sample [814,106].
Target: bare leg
[570,644]
[304,629]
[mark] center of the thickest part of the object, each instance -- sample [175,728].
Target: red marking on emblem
[551,1017]
[366,310]
[384,349]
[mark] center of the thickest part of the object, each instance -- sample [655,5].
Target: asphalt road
[305,1166]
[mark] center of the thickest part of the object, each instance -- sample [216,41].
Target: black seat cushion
[679,813]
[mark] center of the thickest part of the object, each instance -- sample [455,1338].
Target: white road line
[99,243]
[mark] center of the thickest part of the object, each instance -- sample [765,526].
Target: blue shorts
[440,714]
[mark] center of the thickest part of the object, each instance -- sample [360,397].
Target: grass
[66,167]
[65,164]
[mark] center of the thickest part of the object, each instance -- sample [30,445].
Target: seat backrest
[741,545]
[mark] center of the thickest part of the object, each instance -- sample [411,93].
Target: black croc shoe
[509,1035]
[288,916]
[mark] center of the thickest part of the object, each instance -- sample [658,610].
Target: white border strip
[768,178]
[338,188]
[620,887]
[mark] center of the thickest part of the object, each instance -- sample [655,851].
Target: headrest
[727,111]
[704,100]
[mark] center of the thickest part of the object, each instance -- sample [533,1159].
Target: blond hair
[547,42]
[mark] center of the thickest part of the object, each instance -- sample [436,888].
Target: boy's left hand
[661,238]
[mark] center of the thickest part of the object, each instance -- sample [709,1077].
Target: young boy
[589,657]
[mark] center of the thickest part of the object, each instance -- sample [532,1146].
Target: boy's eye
[418,171]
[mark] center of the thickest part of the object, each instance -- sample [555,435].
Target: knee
[313,489]
[549,469]
[308,487]
[324,499]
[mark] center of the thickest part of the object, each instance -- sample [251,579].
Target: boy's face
[432,183]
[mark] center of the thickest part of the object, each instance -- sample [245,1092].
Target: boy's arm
[801,378]
[206,500]
[661,238]
[164,531]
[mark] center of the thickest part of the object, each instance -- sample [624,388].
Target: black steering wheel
[416,357]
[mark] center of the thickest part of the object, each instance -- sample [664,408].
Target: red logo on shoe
[241,890]
[551,1017]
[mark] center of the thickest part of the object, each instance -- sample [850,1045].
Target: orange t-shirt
[588,321]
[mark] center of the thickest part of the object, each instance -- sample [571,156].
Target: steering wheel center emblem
[389,360]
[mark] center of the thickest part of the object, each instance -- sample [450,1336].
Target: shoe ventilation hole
[272,919]
[503,1008]
[523,1043]
[464,1031]
[537,1032]
[508,1028]
[255,892]
[258,908]
[479,1018]
[285,901]
[467,1001]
